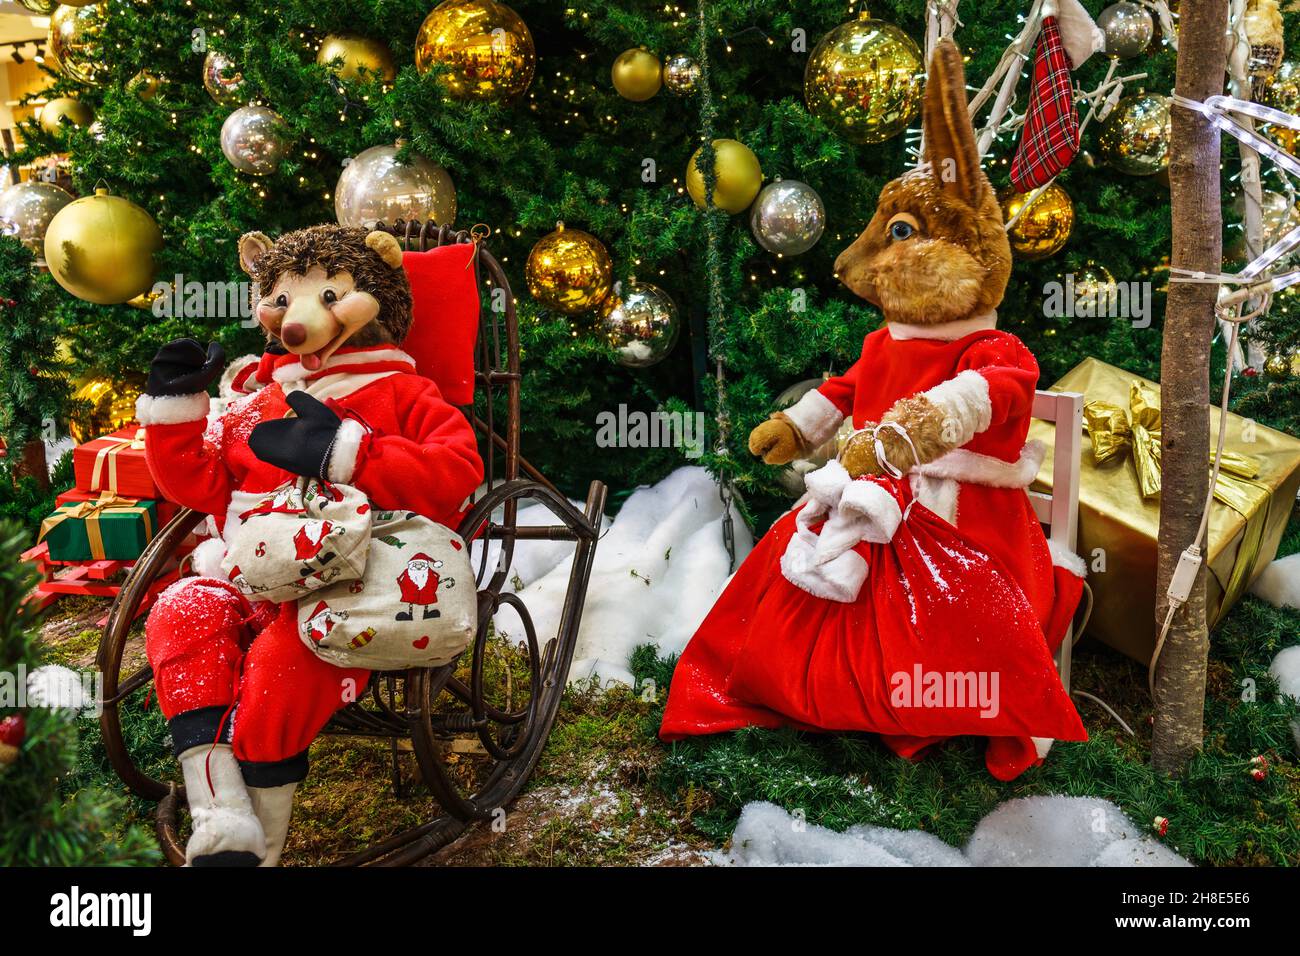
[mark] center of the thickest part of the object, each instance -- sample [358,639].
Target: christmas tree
[40,825]
[567,148]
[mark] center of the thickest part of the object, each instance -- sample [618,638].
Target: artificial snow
[1279,583]
[659,567]
[1286,670]
[1030,831]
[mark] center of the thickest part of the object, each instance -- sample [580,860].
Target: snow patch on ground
[1030,831]
[659,567]
[1286,669]
[1279,583]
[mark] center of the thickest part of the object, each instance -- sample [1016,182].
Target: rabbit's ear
[950,147]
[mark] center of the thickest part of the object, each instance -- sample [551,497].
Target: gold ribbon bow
[108,456]
[90,511]
[1113,430]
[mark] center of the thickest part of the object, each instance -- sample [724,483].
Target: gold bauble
[569,271]
[108,406]
[42,8]
[64,110]
[739,176]
[75,42]
[1094,287]
[1283,93]
[484,45]
[1043,229]
[865,80]
[351,57]
[101,247]
[1135,137]
[145,85]
[223,80]
[637,75]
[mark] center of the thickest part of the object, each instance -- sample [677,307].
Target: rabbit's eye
[902,227]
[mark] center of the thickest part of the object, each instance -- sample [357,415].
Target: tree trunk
[32,462]
[1185,379]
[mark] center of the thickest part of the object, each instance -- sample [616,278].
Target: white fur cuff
[172,409]
[815,416]
[1080,36]
[344,451]
[964,401]
[1062,557]
[876,506]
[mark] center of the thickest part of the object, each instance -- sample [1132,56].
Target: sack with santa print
[304,536]
[416,605]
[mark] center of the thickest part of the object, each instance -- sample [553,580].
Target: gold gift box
[1118,526]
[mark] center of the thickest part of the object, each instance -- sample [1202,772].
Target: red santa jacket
[984,380]
[400,442]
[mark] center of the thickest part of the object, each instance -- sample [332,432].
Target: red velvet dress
[941,624]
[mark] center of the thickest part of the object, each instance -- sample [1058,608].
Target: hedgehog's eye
[329,297]
[282,301]
[902,227]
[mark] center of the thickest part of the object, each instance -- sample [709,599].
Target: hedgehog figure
[334,398]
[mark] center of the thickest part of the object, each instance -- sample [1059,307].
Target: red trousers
[211,648]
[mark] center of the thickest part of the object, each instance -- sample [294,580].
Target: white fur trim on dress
[962,465]
[172,409]
[344,451]
[1063,557]
[339,362]
[868,500]
[964,400]
[944,331]
[1042,745]
[815,416]
[940,495]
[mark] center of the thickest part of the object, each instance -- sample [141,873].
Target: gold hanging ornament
[107,405]
[637,75]
[42,8]
[1135,137]
[865,80]
[145,85]
[681,74]
[64,111]
[101,248]
[1042,229]
[75,40]
[569,271]
[351,57]
[739,176]
[1283,93]
[222,79]
[485,47]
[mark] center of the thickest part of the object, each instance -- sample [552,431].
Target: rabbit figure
[941,403]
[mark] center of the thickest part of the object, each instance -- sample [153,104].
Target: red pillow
[446,318]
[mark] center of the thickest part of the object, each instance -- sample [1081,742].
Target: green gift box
[109,527]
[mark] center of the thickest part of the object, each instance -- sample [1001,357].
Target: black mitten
[299,445]
[182,367]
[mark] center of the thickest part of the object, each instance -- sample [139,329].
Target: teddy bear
[941,400]
[335,398]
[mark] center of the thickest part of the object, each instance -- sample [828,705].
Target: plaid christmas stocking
[1050,138]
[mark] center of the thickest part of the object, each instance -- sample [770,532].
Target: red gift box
[166,510]
[115,462]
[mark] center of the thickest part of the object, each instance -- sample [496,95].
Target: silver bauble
[26,210]
[255,140]
[1128,28]
[788,217]
[643,324]
[375,187]
[681,74]
[222,79]
[792,476]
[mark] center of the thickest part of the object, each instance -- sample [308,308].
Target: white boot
[273,806]
[226,831]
